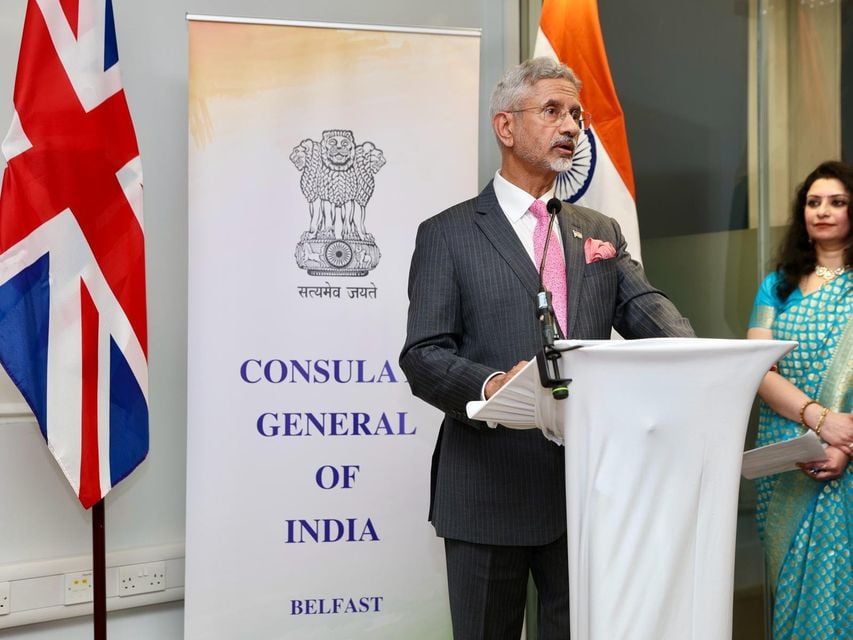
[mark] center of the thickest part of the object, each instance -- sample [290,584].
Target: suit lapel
[574,260]
[494,225]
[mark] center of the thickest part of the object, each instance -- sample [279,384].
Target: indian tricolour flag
[601,176]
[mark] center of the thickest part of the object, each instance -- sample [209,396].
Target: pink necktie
[554,269]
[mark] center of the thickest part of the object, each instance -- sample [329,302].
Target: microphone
[554,206]
[548,359]
[544,308]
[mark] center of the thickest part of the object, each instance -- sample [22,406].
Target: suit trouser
[488,589]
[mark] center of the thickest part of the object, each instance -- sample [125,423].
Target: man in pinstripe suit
[498,495]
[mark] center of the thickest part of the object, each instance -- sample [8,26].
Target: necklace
[827,274]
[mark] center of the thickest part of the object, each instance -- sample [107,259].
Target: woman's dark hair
[796,256]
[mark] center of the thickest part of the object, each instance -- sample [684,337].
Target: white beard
[561,164]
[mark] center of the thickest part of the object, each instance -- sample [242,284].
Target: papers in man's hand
[522,404]
[782,456]
[514,404]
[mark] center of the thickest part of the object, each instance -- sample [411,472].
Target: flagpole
[99,570]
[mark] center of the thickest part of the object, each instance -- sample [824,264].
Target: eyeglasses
[554,116]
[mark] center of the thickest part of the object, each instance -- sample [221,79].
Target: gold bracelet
[803,413]
[820,420]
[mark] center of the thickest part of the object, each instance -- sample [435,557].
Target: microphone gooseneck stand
[548,359]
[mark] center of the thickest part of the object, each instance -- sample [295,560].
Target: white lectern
[654,434]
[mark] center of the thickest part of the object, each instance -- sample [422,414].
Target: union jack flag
[73,327]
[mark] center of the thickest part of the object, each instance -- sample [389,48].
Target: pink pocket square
[596,250]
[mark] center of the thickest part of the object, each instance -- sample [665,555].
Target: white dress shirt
[515,203]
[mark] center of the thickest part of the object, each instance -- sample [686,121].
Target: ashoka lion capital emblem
[337,182]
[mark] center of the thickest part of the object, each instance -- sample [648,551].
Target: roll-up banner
[315,150]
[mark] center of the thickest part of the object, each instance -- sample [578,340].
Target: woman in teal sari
[805,518]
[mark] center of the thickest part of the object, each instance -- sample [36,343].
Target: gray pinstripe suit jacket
[472,312]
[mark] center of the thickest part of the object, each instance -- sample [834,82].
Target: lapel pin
[577,234]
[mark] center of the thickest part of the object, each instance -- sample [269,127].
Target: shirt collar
[514,200]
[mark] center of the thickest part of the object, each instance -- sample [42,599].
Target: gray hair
[511,89]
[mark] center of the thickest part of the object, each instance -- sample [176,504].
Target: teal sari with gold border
[807,525]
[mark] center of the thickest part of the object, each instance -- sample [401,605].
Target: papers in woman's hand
[782,456]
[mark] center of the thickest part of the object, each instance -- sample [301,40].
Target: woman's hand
[830,468]
[837,430]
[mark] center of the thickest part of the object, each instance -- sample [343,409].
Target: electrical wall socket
[141,578]
[5,600]
[78,587]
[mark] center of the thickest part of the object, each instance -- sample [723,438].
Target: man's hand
[501,379]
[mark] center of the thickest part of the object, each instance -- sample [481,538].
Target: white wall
[40,517]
